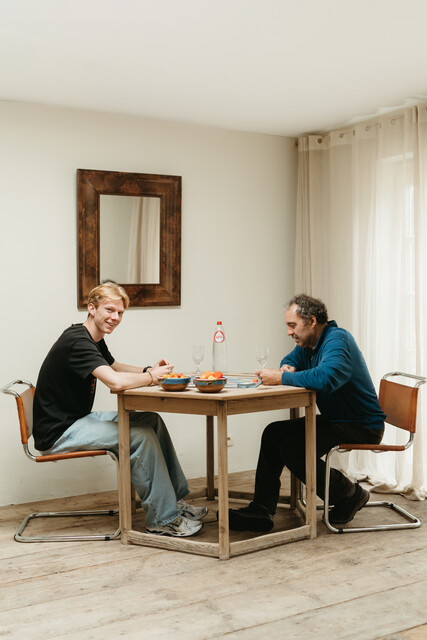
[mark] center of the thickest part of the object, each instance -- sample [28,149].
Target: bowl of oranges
[174,381]
[210,382]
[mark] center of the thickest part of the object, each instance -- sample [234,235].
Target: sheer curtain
[144,244]
[361,246]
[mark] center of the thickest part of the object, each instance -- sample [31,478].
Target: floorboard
[351,587]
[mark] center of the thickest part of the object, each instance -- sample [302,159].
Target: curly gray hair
[307,307]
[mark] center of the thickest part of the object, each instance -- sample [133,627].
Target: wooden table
[223,404]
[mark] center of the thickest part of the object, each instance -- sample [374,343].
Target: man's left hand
[163,363]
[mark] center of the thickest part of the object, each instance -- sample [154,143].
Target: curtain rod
[342,132]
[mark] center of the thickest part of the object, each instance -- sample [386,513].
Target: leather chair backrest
[399,403]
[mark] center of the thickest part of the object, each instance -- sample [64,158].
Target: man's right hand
[160,370]
[269,376]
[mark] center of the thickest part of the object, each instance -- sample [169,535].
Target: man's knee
[146,429]
[281,430]
[272,435]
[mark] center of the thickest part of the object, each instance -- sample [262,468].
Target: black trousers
[283,445]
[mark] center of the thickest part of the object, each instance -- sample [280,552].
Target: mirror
[129,231]
[129,227]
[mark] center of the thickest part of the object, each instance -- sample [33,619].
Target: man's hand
[161,368]
[287,367]
[269,376]
[163,362]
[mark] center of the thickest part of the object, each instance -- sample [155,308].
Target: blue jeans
[155,469]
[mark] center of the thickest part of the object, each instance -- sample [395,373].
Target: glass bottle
[219,349]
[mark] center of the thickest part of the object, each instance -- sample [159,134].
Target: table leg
[135,501]
[125,502]
[295,482]
[310,464]
[223,529]
[210,457]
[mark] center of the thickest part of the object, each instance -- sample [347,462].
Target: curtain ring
[319,140]
[368,128]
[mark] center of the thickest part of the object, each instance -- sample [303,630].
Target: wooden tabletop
[191,400]
[225,394]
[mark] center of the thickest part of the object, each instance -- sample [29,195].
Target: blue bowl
[174,384]
[210,386]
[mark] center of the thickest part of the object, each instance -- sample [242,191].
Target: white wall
[238,224]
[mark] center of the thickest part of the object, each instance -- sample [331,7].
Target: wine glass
[198,353]
[262,356]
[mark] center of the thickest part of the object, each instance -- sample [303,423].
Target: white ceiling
[282,67]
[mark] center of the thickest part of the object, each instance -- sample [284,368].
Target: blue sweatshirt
[337,371]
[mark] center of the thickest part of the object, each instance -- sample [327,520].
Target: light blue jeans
[155,469]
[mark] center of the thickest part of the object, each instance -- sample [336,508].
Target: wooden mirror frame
[91,184]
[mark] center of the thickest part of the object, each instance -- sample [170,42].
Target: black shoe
[345,510]
[251,518]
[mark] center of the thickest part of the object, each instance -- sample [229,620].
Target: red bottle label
[219,336]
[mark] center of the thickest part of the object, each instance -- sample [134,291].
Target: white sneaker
[180,527]
[191,512]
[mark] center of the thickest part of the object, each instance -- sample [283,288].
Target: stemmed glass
[262,356]
[198,353]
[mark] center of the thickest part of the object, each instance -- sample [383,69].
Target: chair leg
[59,514]
[412,521]
[65,514]
[295,491]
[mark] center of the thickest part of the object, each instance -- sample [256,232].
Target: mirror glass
[129,231]
[129,239]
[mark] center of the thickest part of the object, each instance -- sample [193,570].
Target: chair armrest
[52,457]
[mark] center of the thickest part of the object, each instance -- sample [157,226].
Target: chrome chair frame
[24,401]
[412,521]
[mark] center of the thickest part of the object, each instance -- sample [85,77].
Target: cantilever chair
[24,401]
[399,403]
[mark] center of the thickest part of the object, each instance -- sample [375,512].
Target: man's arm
[129,368]
[119,376]
[290,363]
[294,359]
[273,376]
[332,372]
[126,368]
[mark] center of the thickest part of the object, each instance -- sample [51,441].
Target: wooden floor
[357,586]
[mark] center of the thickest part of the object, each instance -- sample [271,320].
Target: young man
[64,421]
[326,359]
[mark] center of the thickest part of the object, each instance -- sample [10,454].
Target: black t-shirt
[65,388]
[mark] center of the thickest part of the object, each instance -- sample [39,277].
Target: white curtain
[362,247]
[144,243]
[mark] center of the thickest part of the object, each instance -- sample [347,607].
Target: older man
[64,421]
[326,359]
